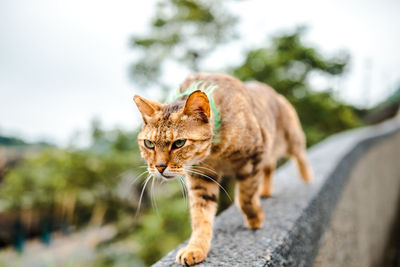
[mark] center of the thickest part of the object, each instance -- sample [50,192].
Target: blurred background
[71,176]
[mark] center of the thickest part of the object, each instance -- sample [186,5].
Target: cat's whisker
[152,196]
[207,165]
[141,194]
[184,189]
[134,179]
[207,169]
[181,188]
[122,174]
[184,184]
[208,177]
[148,177]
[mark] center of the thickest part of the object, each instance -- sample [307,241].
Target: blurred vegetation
[184,32]
[14,141]
[97,184]
[11,141]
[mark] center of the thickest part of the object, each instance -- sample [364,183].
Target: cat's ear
[146,107]
[197,105]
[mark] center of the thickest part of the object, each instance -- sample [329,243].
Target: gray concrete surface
[298,213]
[362,223]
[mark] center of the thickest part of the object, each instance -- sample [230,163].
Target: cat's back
[230,95]
[227,84]
[230,89]
[250,109]
[267,101]
[234,98]
[234,104]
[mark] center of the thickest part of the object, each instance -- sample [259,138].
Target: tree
[184,32]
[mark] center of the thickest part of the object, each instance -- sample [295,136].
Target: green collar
[208,90]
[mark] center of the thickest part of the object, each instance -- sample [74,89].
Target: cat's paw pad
[190,256]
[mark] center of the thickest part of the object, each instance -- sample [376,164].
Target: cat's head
[176,135]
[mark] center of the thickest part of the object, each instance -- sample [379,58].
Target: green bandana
[208,90]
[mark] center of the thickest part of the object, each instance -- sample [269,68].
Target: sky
[64,63]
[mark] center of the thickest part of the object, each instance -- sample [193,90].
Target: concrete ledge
[364,226]
[298,214]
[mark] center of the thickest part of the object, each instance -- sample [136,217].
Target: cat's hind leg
[267,186]
[295,140]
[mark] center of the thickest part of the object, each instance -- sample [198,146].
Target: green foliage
[322,116]
[164,230]
[46,181]
[68,185]
[184,32]
[14,141]
[11,141]
[156,231]
[287,65]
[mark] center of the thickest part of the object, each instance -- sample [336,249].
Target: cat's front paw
[256,221]
[190,255]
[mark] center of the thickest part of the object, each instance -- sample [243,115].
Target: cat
[219,125]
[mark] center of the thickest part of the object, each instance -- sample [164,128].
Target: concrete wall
[362,224]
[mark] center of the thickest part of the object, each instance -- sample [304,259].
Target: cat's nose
[161,168]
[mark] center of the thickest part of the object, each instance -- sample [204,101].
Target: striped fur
[257,127]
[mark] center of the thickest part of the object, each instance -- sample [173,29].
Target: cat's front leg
[203,198]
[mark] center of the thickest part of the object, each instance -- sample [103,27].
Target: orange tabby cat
[219,125]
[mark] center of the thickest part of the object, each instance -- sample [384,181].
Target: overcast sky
[63,63]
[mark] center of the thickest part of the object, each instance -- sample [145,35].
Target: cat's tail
[304,166]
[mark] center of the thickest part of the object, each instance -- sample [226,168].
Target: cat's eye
[178,143]
[148,144]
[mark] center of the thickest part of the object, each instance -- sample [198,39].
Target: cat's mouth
[168,176]
[165,175]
